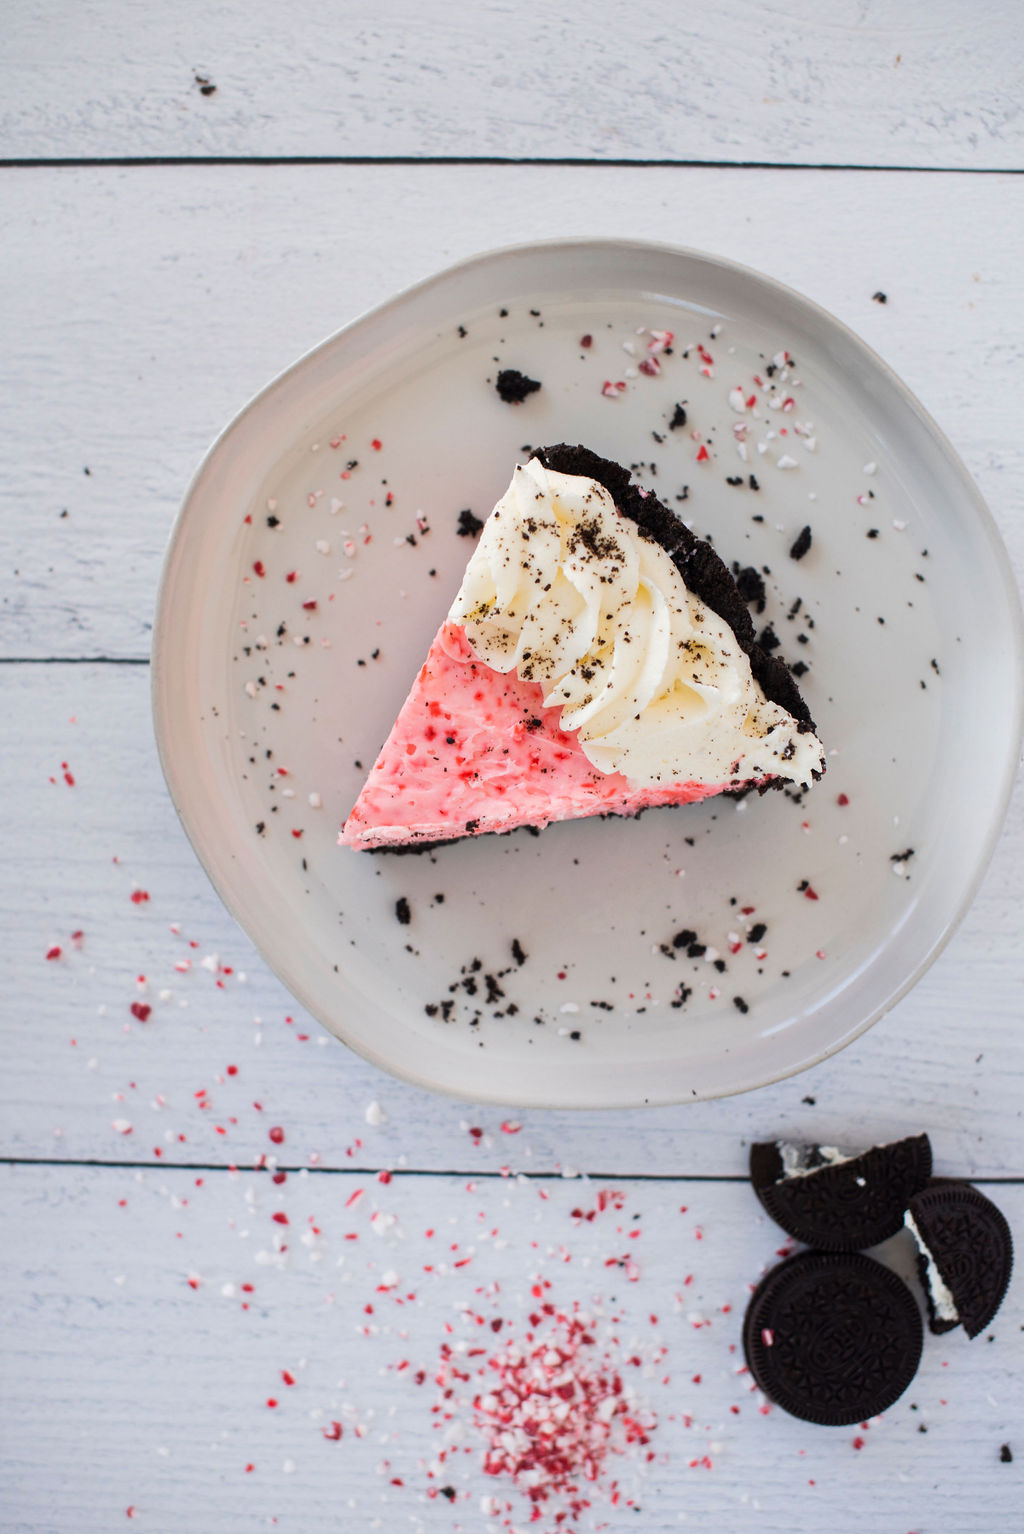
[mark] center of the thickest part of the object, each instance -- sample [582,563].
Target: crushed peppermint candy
[554,1407]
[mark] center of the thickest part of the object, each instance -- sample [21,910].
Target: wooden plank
[948,1059]
[151,303]
[131,1392]
[793,83]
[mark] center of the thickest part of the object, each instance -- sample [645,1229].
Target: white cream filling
[797,1159]
[567,592]
[942,1299]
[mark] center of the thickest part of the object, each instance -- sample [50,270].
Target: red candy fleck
[276,1134]
[288,1376]
[702,454]
[810,894]
[291,577]
[333,1431]
[271,1402]
[54,952]
[259,568]
[140,1010]
[842,799]
[279,1217]
[586,342]
[376,444]
[139,897]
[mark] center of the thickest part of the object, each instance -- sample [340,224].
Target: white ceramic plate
[282,653]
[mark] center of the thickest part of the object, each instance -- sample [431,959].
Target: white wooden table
[194,195]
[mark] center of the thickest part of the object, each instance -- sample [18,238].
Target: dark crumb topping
[403,912]
[802,544]
[751,587]
[678,419]
[468,526]
[514,386]
[701,568]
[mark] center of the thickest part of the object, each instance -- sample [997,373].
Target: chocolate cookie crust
[704,573]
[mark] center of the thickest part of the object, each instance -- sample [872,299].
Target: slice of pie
[597,660]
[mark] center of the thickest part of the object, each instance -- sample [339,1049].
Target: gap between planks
[478,1175]
[130,161]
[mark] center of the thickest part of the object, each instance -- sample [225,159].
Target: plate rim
[161,660]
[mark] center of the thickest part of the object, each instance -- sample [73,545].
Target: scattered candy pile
[551,1408]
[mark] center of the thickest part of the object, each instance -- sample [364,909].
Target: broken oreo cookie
[965,1255]
[840,1201]
[832,1337]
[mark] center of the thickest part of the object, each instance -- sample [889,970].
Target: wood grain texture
[876,84]
[129,1389]
[145,306]
[949,1059]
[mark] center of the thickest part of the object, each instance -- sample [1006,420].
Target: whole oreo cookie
[836,1200]
[965,1255]
[832,1337]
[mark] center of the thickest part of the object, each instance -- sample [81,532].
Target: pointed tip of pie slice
[474,750]
[969,1241]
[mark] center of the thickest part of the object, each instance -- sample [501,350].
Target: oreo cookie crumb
[880,297]
[802,544]
[751,587]
[1005,1454]
[468,526]
[678,418]
[513,386]
[517,951]
[684,939]
[403,913]
[756,932]
[740,1004]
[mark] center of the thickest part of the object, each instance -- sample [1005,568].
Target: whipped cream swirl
[569,593]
